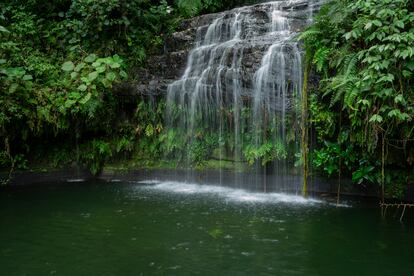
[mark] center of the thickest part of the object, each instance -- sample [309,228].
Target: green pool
[172,228]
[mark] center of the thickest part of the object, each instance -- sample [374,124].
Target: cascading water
[237,101]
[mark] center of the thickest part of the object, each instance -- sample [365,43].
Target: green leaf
[82,87]
[69,103]
[365,102]
[106,83]
[91,58]
[394,113]
[110,76]
[68,66]
[79,67]
[74,95]
[85,80]
[13,87]
[117,58]
[376,118]
[386,78]
[86,98]
[73,75]
[2,61]
[406,73]
[115,65]
[92,76]
[399,24]
[27,77]
[363,173]
[368,26]
[96,64]
[3,29]
[402,116]
[123,74]
[377,23]
[104,60]
[399,99]
[101,69]
[15,72]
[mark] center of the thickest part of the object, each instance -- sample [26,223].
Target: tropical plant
[363,52]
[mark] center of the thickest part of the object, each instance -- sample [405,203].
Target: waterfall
[239,96]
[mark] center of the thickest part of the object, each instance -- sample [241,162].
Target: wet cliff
[161,70]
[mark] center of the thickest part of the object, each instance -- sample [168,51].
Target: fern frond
[320,58]
[336,97]
[309,33]
[350,97]
[350,66]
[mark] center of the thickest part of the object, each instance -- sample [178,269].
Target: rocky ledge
[161,70]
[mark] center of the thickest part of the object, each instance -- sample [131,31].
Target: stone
[161,70]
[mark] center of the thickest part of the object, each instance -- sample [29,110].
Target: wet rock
[161,70]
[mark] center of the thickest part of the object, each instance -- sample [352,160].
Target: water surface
[173,228]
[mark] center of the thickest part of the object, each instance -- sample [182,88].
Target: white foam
[153,181]
[230,194]
[75,180]
[342,205]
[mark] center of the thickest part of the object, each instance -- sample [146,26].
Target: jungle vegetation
[362,109]
[62,60]
[59,62]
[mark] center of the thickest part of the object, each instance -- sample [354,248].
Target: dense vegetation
[61,62]
[363,108]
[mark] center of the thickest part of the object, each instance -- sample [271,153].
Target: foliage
[59,63]
[48,91]
[94,154]
[265,152]
[193,7]
[201,148]
[395,184]
[364,53]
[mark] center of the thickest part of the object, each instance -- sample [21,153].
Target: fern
[349,98]
[350,66]
[343,84]
[320,58]
[309,34]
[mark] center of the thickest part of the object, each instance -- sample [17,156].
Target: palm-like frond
[320,58]
[308,34]
[343,84]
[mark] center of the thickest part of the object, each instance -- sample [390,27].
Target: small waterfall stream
[239,95]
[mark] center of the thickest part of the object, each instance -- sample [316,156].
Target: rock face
[162,70]
[241,88]
[233,80]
